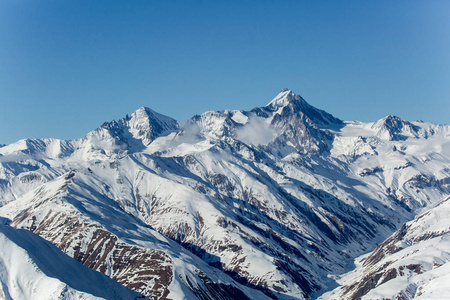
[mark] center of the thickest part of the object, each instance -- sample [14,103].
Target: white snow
[239,117]
[282,99]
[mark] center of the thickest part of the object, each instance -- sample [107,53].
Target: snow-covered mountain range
[276,202]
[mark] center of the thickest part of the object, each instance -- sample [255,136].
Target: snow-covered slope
[413,263]
[273,202]
[94,230]
[32,268]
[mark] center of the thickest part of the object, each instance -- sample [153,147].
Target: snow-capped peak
[288,103]
[148,114]
[391,121]
[395,128]
[147,124]
[141,127]
[284,97]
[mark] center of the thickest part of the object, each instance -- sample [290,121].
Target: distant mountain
[275,202]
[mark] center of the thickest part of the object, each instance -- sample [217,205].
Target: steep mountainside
[413,263]
[273,202]
[32,268]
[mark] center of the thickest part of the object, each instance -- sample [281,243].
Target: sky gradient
[68,66]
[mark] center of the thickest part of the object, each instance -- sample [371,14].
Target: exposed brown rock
[147,271]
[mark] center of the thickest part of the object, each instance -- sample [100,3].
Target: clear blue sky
[68,66]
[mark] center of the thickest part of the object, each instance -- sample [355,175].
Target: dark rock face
[300,131]
[370,171]
[386,248]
